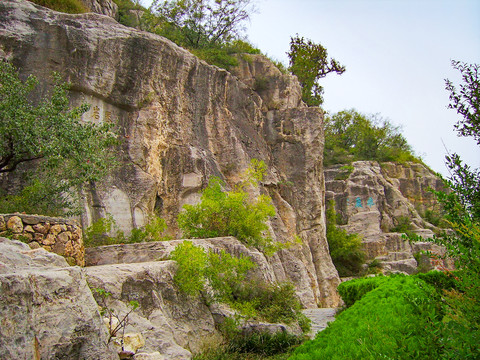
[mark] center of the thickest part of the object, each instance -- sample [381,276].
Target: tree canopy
[352,136]
[309,62]
[55,150]
[200,23]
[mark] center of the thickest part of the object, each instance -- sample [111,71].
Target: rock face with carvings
[46,308]
[372,199]
[181,122]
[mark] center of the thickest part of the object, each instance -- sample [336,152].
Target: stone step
[320,318]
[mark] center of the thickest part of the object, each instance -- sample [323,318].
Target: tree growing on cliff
[202,23]
[309,62]
[47,143]
[352,136]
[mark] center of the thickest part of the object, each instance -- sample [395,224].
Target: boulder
[47,311]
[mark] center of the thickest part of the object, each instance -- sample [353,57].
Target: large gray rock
[371,198]
[183,121]
[47,310]
[169,321]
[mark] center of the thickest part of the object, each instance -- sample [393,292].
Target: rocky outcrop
[372,199]
[171,323]
[104,7]
[46,308]
[62,236]
[181,122]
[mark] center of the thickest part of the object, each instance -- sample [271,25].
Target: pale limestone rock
[169,321]
[15,225]
[104,7]
[149,356]
[373,197]
[132,342]
[47,310]
[178,116]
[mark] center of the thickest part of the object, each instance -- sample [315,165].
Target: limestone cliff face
[183,121]
[372,198]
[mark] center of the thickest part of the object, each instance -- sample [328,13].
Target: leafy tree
[461,206]
[466,101]
[309,62]
[48,143]
[230,213]
[352,136]
[200,23]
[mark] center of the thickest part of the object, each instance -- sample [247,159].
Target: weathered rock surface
[47,310]
[104,7]
[169,321]
[373,197]
[183,121]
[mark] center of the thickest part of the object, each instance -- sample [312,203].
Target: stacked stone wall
[58,235]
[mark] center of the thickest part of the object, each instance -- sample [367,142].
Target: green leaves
[196,267]
[309,62]
[466,100]
[57,151]
[345,249]
[352,136]
[230,213]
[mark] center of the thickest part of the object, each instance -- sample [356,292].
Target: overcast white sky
[397,54]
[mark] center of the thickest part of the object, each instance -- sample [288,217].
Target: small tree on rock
[309,62]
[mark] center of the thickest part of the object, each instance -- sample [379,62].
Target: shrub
[440,280]
[254,346]
[230,213]
[226,276]
[196,267]
[99,232]
[345,249]
[404,224]
[275,303]
[397,320]
[353,290]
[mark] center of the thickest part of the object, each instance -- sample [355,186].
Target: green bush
[97,234]
[66,6]
[397,320]
[275,303]
[254,346]
[226,277]
[345,249]
[403,224]
[440,280]
[231,213]
[352,136]
[353,290]
[196,267]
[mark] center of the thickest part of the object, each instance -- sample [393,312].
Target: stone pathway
[320,318]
